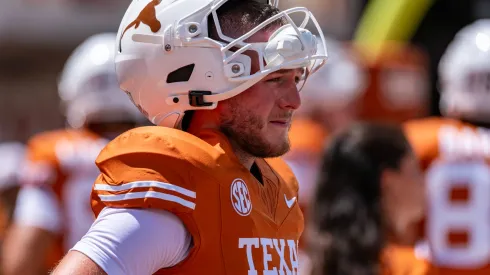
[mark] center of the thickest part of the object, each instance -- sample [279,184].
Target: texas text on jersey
[238,224]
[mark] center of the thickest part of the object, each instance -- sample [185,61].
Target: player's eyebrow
[285,71]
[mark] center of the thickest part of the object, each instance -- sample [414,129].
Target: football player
[53,211]
[204,191]
[455,151]
[397,86]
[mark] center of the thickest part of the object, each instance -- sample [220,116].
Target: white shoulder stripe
[148,194]
[135,184]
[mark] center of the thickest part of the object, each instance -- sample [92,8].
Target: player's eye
[275,80]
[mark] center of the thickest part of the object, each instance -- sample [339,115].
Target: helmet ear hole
[182,74]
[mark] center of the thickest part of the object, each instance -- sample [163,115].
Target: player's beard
[245,128]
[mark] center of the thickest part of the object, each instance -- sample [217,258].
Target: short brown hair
[237,17]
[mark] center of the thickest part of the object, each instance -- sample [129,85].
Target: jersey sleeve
[423,137]
[146,170]
[135,241]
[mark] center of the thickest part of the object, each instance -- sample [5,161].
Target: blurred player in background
[397,83]
[455,151]
[53,207]
[367,205]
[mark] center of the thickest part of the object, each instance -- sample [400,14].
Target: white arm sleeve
[38,207]
[135,241]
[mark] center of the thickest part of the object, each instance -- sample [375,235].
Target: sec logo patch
[240,197]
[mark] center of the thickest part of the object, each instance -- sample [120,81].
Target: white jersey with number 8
[456,157]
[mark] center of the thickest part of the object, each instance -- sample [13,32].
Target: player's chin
[279,147]
[277,131]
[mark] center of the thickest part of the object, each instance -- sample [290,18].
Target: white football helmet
[464,74]
[88,85]
[339,83]
[160,37]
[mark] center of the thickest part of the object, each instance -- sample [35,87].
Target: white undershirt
[135,241]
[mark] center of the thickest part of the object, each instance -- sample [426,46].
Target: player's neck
[203,120]
[210,120]
[249,162]
[244,158]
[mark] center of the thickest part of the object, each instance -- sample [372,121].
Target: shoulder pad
[42,164]
[159,143]
[423,135]
[152,167]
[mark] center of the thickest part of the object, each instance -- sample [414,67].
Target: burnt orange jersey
[455,156]
[64,162]
[238,224]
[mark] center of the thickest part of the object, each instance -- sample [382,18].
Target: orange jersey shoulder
[433,138]
[425,137]
[163,152]
[145,144]
[50,154]
[162,159]
[146,163]
[43,146]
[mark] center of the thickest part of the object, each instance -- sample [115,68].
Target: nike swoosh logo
[290,202]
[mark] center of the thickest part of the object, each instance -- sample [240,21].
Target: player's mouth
[281,122]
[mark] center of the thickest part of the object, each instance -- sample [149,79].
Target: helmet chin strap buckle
[196,99]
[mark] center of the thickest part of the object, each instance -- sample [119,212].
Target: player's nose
[290,98]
